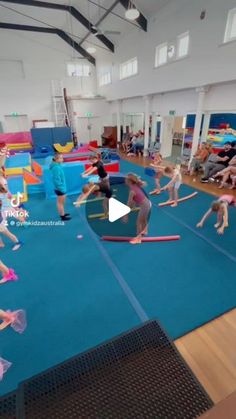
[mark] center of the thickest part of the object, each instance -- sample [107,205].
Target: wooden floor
[209,350]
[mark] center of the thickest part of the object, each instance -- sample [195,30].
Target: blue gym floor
[78,293]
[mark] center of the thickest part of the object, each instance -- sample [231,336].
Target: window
[129,68]
[161,54]
[105,79]
[78,70]
[230,32]
[183,45]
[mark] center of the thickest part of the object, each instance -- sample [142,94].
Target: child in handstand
[221,208]
[159,173]
[138,197]
[173,186]
[97,189]
[98,165]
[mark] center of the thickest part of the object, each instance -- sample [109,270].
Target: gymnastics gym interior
[118,288]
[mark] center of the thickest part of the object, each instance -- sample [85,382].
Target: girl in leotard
[221,208]
[138,198]
[173,186]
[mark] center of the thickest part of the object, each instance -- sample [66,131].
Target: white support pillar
[154,127]
[118,118]
[196,135]
[206,124]
[146,125]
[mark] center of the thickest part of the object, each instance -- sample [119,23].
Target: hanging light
[132,13]
[91,50]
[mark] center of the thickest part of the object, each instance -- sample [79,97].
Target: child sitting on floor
[173,186]
[221,208]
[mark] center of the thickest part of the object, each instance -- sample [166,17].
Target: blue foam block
[18,160]
[16,184]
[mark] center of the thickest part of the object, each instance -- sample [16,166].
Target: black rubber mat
[8,406]
[137,375]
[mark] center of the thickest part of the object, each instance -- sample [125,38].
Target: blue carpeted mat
[77,293]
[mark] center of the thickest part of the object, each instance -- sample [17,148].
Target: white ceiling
[15,13]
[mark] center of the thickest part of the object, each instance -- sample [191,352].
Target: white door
[89,129]
[166,137]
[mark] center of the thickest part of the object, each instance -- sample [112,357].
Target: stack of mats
[17,163]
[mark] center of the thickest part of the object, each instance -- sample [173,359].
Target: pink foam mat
[16,137]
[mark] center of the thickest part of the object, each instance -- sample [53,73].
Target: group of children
[15,319]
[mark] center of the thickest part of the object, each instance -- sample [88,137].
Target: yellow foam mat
[63,148]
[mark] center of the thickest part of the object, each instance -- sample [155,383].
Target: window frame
[157,54]
[102,79]
[124,73]
[77,65]
[179,38]
[229,24]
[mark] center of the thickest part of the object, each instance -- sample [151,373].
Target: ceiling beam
[100,21]
[63,35]
[141,20]
[70,9]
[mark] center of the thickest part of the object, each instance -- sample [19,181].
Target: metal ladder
[61,117]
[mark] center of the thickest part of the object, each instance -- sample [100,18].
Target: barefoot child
[159,173]
[8,274]
[96,189]
[4,230]
[15,319]
[138,198]
[173,186]
[59,181]
[221,208]
[98,165]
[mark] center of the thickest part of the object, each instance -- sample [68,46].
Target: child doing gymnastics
[59,182]
[138,198]
[8,274]
[173,186]
[15,319]
[98,165]
[159,173]
[96,189]
[220,207]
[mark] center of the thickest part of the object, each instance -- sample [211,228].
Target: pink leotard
[139,195]
[230,199]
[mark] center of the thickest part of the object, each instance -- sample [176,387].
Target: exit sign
[89,114]
[15,114]
[172,113]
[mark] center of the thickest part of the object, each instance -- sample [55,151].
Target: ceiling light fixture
[91,50]
[132,13]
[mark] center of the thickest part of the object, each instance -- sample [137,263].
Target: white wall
[44,59]
[209,61]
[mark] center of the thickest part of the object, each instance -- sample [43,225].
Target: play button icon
[117,210]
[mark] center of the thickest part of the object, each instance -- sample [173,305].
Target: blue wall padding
[223,118]
[74,181]
[61,135]
[49,136]
[18,160]
[42,136]
[15,184]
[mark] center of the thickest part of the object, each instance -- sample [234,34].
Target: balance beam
[93,216]
[185,198]
[144,239]
[87,201]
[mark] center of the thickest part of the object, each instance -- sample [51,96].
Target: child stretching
[98,165]
[221,208]
[59,181]
[96,189]
[159,173]
[138,197]
[173,186]
[15,319]
[8,273]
